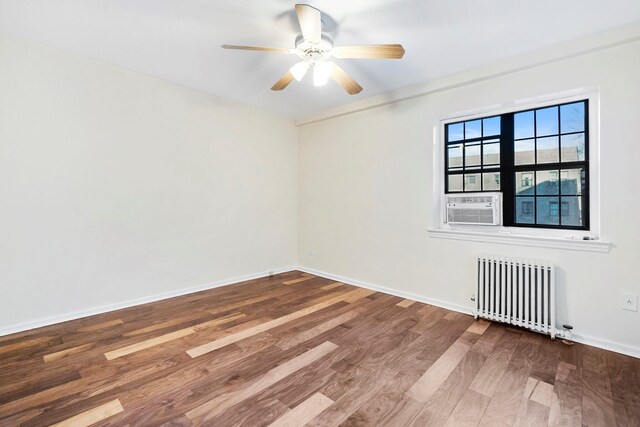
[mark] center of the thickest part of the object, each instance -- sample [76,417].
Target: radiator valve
[567,334]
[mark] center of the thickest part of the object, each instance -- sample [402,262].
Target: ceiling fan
[316,48]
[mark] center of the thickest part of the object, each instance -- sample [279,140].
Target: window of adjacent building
[537,158]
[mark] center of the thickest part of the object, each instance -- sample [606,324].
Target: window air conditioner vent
[473,208]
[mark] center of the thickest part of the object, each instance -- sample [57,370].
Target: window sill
[521,240]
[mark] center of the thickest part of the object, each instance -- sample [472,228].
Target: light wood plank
[357,295]
[166,324]
[221,403]
[507,399]
[479,326]
[332,285]
[441,405]
[67,352]
[531,414]
[289,341]
[233,338]
[304,412]
[405,303]
[152,342]
[487,379]
[433,378]
[529,387]
[543,393]
[92,416]
[469,410]
[301,279]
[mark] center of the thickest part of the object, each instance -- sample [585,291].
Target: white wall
[365,195]
[116,187]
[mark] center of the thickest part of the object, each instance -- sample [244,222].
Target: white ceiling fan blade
[283,82]
[344,80]
[310,22]
[264,49]
[380,51]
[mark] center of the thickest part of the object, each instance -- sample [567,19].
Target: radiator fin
[516,291]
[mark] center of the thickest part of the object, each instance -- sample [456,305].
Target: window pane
[525,183]
[571,210]
[548,150]
[491,154]
[524,152]
[572,117]
[523,125]
[525,207]
[547,210]
[572,147]
[455,132]
[571,182]
[472,182]
[491,126]
[455,156]
[472,155]
[491,181]
[547,183]
[455,182]
[472,129]
[547,121]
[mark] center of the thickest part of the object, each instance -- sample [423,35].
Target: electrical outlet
[629,301]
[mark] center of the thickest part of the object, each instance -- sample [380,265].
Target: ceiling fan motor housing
[314,51]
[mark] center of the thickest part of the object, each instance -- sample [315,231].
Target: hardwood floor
[297,349]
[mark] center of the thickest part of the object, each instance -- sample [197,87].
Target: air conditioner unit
[473,208]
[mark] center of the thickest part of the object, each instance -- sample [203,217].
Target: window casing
[538,158]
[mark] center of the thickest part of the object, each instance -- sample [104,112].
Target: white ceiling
[179,40]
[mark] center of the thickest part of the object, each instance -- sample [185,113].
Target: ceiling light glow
[299,70]
[321,72]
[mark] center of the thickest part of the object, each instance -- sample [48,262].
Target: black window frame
[480,169]
[508,169]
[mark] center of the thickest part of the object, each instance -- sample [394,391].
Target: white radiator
[519,292]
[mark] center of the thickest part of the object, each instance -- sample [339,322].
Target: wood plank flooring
[295,349]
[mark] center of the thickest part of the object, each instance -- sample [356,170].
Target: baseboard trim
[582,339]
[385,290]
[65,317]
[608,345]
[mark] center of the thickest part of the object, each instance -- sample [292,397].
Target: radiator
[516,291]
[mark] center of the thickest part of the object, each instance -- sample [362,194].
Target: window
[537,158]
[473,155]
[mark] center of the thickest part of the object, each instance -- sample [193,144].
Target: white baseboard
[408,295]
[608,345]
[583,339]
[65,317]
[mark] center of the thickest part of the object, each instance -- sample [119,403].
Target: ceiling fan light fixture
[321,72]
[299,70]
[315,49]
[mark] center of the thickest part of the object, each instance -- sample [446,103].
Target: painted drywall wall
[117,187]
[366,191]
